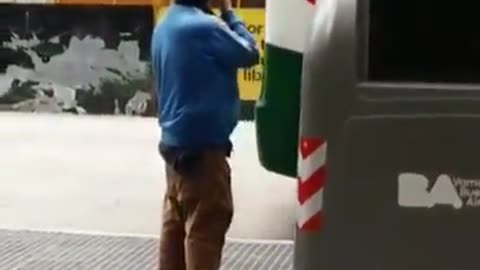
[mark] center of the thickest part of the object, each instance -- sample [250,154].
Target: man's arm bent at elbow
[238,26]
[235,49]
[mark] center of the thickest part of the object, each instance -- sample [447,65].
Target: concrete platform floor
[27,250]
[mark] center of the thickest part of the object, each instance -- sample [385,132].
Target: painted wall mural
[54,59]
[70,56]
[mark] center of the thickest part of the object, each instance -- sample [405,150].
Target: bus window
[424,41]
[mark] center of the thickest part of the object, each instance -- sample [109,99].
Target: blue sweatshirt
[195,58]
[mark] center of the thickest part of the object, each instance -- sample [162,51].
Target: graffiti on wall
[93,59]
[76,59]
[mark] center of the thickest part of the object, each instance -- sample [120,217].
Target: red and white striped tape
[311,181]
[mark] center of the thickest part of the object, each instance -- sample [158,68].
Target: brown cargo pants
[197,213]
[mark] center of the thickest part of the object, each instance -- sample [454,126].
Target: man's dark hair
[202,4]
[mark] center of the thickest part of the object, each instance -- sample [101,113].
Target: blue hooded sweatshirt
[195,58]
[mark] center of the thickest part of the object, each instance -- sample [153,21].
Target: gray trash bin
[392,88]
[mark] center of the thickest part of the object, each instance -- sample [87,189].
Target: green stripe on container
[277,111]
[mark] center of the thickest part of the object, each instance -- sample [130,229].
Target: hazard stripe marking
[311,181]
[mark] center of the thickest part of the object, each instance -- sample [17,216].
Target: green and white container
[277,109]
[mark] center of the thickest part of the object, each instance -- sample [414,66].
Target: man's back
[195,59]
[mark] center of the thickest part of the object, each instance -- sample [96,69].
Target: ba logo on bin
[415,190]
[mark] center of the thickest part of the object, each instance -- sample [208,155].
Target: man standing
[195,58]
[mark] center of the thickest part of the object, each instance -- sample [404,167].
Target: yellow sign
[249,80]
